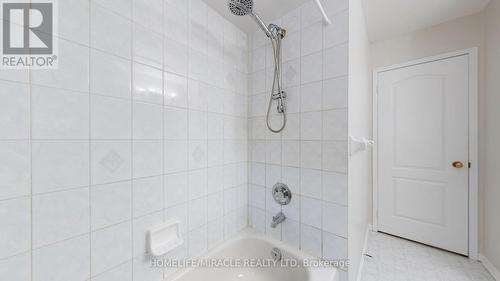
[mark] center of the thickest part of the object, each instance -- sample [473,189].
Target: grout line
[90,18]
[132,165]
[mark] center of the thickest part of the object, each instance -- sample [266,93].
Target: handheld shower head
[245,7]
[240,7]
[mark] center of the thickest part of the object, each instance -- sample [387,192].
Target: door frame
[472,54]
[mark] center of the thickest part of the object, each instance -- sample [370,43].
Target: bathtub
[251,246]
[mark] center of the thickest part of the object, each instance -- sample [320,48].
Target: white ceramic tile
[335,188]
[147,158]
[259,56]
[147,46]
[311,125]
[215,97]
[16,75]
[273,152]
[215,126]
[15,222]
[215,206]
[147,195]
[110,247]
[311,96]
[122,272]
[59,114]
[176,90]
[291,21]
[176,123]
[147,121]
[180,212]
[312,38]
[291,176]
[109,31]
[311,68]
[147,84]
[292,128]
[335,156]
[110,161]
[334,247]
[121,7]
[197,125]
[310,183]
[143,271]
[16,268]
[176,156]
[111,118]
[335,93]
[175,56]
[215,155]
[310,14]
[333,7]
[149,13]
[291,233]
[197,154]
[61,215]
[67,260]
[293,102]
[175,189]
[336,61]
[116,85]
[215,232]
[198,38]
[110,204]
[73,22]
[197,213]
[310,240]
[197,244]
[141,226]
[14,110]
[59,165]
[291,74]
[335,219]
[72,72]
[197,65]
[291,46]
[335,125]
[197,184]
[15,174]
[310,212]
[337,32]
[311,153]
[197,95]
[176,24]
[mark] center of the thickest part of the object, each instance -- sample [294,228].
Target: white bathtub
[249,245]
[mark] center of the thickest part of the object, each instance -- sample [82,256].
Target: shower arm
[262,25]
[256,18]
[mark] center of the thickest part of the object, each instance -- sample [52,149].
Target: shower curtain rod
[322,10]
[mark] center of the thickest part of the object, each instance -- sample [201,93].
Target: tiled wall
[145,119]
[310,155]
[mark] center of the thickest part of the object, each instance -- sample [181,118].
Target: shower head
[240,7]
[245,7]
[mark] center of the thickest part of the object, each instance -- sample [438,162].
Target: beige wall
[491,176]
[463,33]
[360,125]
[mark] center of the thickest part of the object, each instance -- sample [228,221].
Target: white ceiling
[386,19]
[268,10]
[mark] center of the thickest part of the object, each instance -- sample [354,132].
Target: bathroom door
[423,153]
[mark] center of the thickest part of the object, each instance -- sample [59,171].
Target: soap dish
[165,237]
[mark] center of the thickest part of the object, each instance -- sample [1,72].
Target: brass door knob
[458,164]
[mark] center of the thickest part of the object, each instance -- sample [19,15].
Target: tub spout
[279,218]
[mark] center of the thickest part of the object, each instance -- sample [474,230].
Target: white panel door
[422,142]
